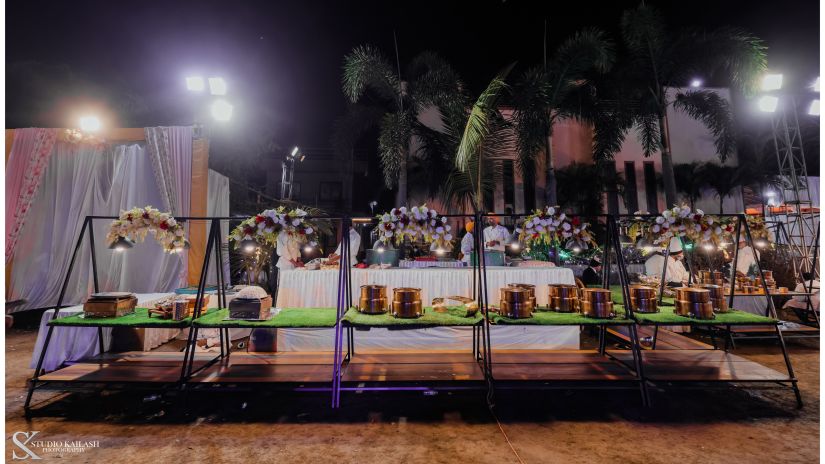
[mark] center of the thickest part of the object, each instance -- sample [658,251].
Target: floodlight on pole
[90,124]
[221,110]
[813,110]
[195,84]
[771,82]
[294,151]
[768,103]
[696,83]
[217,86]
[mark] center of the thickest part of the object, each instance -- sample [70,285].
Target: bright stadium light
[217,86]
[768,103]
[696,83]
[813,110]
[815,85]
[771,82]
[195,84]
[294,151]
[221,110]
[90,124]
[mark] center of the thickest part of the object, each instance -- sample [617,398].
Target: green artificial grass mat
[734,317]
[140,318]
[554,318]
[455,316]
[286,318]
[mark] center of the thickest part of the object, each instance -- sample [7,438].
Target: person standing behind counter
[676,272]
[467,243]
[288,250]
[495,235]
[354,247]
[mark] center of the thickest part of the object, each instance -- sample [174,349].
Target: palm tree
[689,180]
[542,96]
[724,180]
[370,80]
[484,136]
[636,94]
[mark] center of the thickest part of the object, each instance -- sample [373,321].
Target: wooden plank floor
[412,366]
[700,366]
[283,367]
[665,339]
[557,365]
[132,366]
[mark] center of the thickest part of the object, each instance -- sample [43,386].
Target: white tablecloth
[318,289]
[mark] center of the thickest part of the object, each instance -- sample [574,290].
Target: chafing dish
[406,303]
[693,302]
[530,288]
[516,303]
[717,297]
[643,299]
[373,299]
[564,298]
[597,303]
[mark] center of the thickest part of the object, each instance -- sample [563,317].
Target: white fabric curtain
[217,205]
[83,180]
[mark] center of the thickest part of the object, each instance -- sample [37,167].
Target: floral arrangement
[137,222]
[265,226]
[759,230]
[681,221]
[551,226]
[416,223]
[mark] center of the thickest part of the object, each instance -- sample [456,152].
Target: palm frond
[366,67]
[531,117]
[480,120]
[460,188]
[715,112]
[647,131]
[644,35]
[393,144]
[586,50]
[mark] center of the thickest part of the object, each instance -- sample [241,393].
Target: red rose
[259,219]
[145,215]
[163,225]
[576,221]
[129,217]
[248,230]
[268,221]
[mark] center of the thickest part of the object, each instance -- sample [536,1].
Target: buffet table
[302,288]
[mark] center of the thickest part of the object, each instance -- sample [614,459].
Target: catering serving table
[299,288]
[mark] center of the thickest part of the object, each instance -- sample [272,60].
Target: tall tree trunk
[721,202]
[550,197]
[401,195]
[668,176]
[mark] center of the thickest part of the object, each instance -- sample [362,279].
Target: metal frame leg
[637,362]
[791,374]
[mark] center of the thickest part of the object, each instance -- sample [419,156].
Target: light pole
[219,108]
[288,172]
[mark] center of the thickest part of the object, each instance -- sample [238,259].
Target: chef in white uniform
[676,272]
[467,243]
[746,259]
[354,247]
[495,235]
[289,251]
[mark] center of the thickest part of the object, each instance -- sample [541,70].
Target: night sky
[282,60]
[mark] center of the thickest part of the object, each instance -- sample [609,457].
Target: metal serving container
[373,299]
[530,288]
[597,303]
[717,297]
[406,303]
[516,303]
[643,299]
[564,298]
[693,302]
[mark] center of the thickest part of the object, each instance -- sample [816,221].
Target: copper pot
[597,309]
[564,298]
[406,294]
[407,309]
[373,299]
[717,297]
[530,288]
[642,292]
[645,305]
[516,303]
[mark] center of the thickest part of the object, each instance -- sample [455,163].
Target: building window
[631,195]
[651,192]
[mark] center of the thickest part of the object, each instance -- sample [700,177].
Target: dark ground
[727,426]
